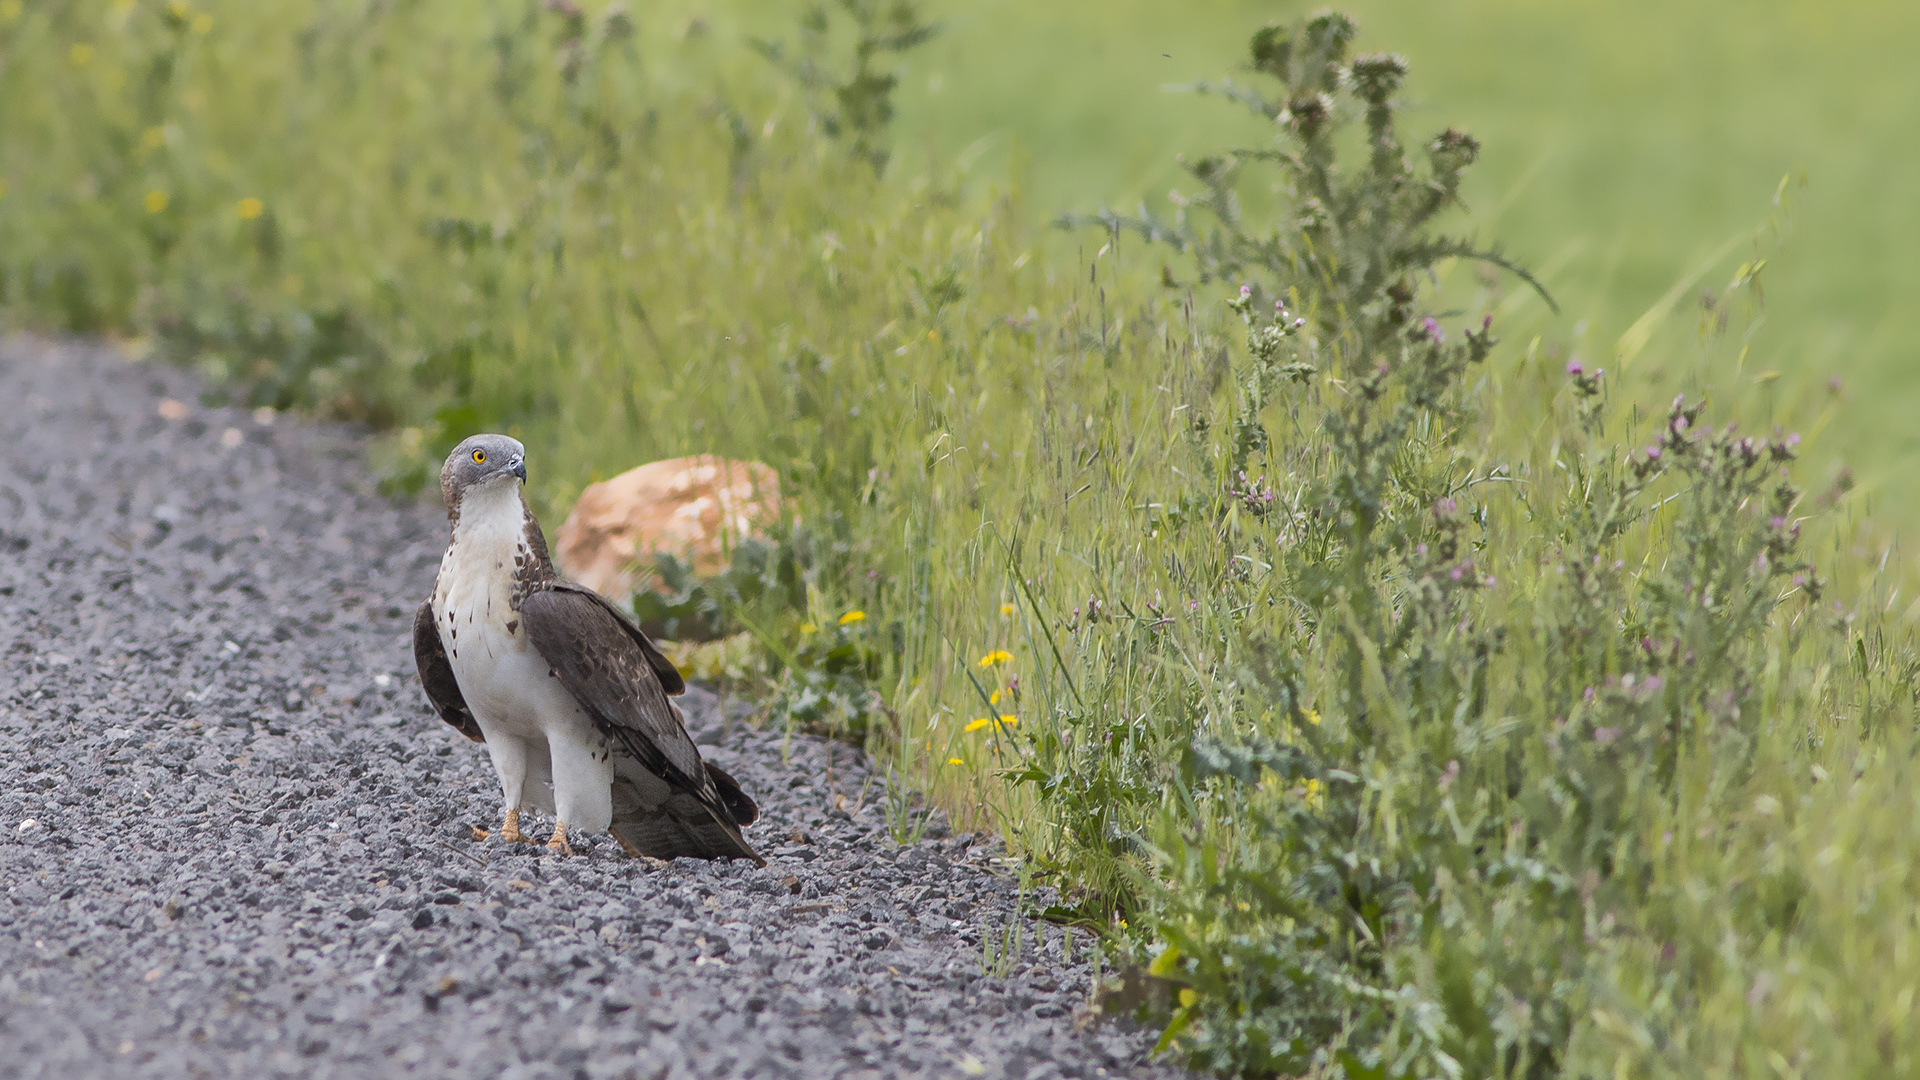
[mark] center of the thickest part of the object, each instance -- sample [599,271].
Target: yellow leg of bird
[510,831]
[558,845]
[628,848]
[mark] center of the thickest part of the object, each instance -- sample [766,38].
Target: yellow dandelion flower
[980,722]
[249,208]
[955,761]
[1006,609]
[808,628]
[202,23]
[1311,793]
[993,698]
[852,617]
[1313,717]
[80,54]
[997,656]
[10,11]
[1188,997]
[155,202]
[977,723]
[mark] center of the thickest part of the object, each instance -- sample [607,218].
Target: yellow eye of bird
[479,455]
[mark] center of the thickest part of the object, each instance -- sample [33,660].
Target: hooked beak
[518,468]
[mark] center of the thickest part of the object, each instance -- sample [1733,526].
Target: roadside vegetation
[1397,692]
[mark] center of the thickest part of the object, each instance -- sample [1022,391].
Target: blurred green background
[1627,148]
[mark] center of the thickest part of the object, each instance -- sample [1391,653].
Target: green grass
[1627,145]
[1355,820]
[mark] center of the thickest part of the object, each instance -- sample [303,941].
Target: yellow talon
[510,831]
[558,845]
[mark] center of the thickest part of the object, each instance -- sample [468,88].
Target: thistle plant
[1432,689]
[1348,241]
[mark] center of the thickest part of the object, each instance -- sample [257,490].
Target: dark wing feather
[743,810]
[586,645]
[613,671]
[663,669]
[436,675]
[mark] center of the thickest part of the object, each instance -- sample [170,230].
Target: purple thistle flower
[1574,367]
[1653,452]
[1434,330]
[1246,291]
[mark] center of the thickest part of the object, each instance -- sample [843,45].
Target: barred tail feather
[667,824]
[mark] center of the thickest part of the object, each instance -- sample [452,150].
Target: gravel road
[235,841]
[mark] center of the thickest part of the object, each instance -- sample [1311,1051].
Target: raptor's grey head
[478,460]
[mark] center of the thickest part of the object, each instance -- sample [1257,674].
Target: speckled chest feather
[495,558]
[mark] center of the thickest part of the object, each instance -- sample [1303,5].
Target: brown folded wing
[436,675]
[679,805]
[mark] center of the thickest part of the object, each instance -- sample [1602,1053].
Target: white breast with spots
[504,681]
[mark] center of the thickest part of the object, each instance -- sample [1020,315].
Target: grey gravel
[234,840]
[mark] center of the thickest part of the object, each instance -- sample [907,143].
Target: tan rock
[694,508]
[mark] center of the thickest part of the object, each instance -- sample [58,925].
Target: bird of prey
[569,696]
